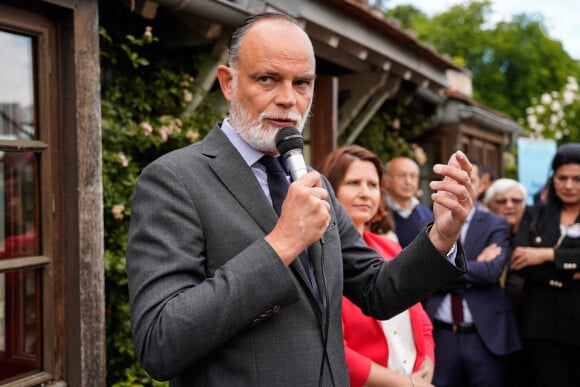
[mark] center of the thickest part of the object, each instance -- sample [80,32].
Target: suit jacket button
[256,321]
[276,308]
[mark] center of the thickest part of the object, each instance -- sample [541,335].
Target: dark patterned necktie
[278,185]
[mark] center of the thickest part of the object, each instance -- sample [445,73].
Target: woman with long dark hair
[548,257]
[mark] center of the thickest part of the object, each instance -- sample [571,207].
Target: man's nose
[285,94]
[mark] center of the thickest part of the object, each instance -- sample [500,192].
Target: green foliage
[523,63]
[140,121]
[510,61]
[408,16]
[459,32]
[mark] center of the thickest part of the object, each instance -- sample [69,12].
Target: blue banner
[534,163]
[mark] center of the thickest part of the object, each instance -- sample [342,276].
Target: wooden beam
[323,123]
[373,106]
[361,87]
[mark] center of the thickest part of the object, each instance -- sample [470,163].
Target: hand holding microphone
[305,213]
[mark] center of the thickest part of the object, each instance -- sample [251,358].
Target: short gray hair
[500,186]
[235,42]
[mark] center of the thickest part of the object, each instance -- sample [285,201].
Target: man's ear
[224,75]
[386,181]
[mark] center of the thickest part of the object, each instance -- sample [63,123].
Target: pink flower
[122,159]
[117,211]
[146,128]
[192,136]
[163,132]
[148,34]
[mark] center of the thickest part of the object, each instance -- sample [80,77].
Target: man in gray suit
[217,296]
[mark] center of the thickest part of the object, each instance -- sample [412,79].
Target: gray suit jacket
[211,302]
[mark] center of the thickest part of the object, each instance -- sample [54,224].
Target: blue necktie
[277,181]
[278,185]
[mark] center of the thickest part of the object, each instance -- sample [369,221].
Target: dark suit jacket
[550,299]
[211,302]
[492,313]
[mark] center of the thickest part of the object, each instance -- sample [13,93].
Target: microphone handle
[296,164]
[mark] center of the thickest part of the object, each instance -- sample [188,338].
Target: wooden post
[324,120]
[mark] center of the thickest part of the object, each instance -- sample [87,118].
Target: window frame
[43,30]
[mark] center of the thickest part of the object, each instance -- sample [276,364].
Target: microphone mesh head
[289,138]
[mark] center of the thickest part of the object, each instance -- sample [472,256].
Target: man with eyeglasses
[474,324]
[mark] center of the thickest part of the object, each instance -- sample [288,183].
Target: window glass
[20,322]
[18,234]
[16,87]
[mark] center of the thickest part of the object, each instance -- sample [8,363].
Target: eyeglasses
[402,176]
[503,202]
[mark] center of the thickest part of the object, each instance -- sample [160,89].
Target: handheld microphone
[290,143]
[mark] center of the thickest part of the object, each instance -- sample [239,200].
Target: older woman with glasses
[548,257]
[507,197]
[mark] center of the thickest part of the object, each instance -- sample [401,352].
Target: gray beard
[253,132]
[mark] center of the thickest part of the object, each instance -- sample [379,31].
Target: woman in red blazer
[400,351]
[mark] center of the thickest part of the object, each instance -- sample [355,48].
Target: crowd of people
[242,274]
[518,302]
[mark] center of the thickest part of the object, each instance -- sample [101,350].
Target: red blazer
[364,338]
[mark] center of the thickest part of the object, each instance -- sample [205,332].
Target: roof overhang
[343,32]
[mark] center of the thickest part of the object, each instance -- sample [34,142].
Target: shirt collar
[249,154]
[405,213]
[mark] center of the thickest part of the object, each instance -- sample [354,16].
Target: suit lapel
[240,181]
